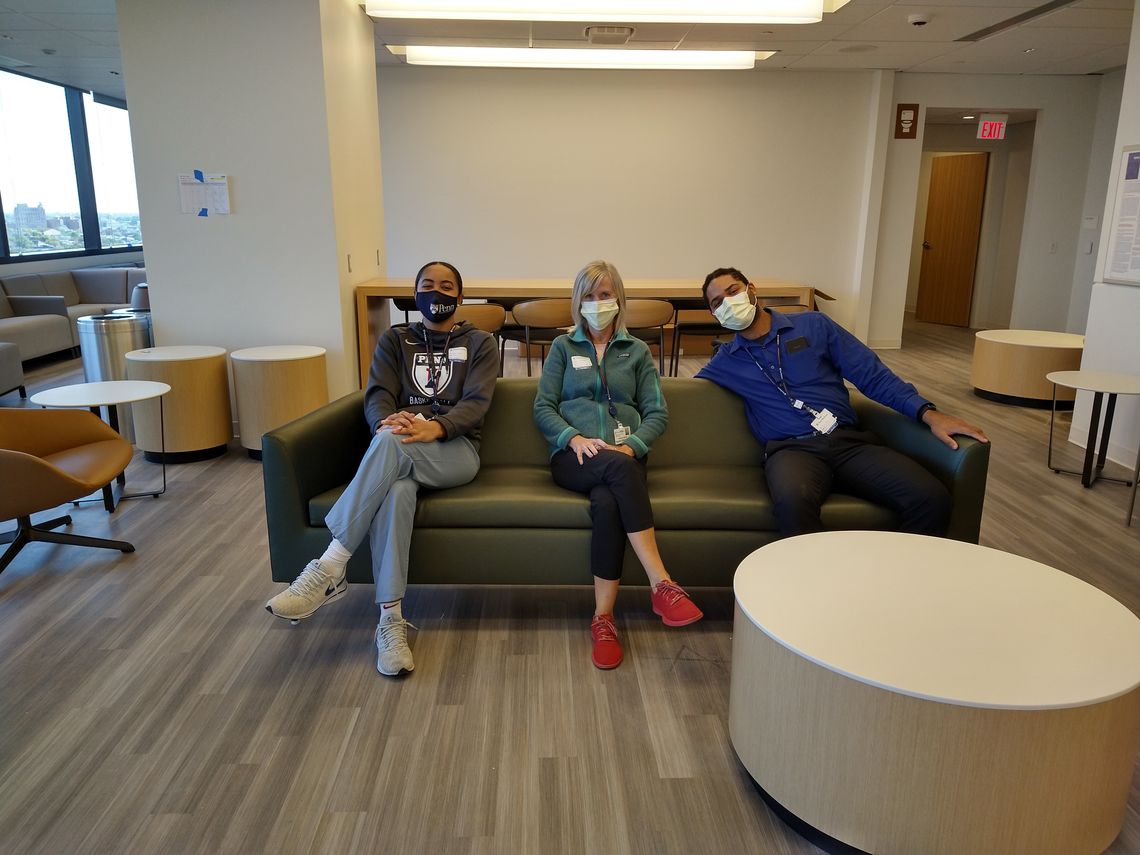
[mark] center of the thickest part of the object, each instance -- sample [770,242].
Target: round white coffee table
[109,394]
[903,694]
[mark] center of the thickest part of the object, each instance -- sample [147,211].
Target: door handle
[925,245]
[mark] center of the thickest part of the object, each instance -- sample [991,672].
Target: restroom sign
[991,126]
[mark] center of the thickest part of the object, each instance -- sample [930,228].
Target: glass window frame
[84,179]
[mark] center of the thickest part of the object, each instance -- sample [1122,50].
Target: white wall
[53,265]
[1111,339]
[1066,115]
[240,88]
[515,173]
[1096,187]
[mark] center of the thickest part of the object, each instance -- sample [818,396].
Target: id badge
[621,434]
[824,422]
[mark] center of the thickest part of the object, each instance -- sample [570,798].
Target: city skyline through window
[42,197]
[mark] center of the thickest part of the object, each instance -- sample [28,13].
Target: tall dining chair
[646,320]
[542,321]
[47,458]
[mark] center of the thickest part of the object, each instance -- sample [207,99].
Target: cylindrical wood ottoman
[198,422]
[902,694]
[1009,366]
[274,385]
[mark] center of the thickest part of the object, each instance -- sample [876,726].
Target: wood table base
[893,774]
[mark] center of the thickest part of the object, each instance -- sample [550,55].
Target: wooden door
[950,245]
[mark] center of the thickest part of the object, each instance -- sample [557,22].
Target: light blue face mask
[599,314]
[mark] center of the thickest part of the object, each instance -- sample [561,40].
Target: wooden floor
[150,705]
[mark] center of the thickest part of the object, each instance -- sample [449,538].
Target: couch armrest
[962,471]
[27,306]
[301,459]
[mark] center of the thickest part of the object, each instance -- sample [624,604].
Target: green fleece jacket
[572,399]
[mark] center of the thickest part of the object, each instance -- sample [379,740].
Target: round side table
[1009,366]
[274,385]
[198,423]
[900,694]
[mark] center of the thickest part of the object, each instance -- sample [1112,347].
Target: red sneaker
[607,648]
[673,604]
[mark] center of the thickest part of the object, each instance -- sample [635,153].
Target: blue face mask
[435,305]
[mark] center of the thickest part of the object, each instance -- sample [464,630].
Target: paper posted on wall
[204,193]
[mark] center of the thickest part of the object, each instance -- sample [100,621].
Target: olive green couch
[513,525]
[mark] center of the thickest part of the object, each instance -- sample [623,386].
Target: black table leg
[1108,413]
[1090,447]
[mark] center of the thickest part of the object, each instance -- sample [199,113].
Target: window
[67,183]
[113,171]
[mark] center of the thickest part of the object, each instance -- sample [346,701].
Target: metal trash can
[103,341]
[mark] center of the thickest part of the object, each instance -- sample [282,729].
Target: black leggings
[619,501]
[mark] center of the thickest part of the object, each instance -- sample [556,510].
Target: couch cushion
[101,284]
[135,276]
[24,285]
[61,284]
[37,335]
[684,498]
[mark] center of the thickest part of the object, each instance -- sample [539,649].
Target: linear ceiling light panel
[587,58]
[620,11]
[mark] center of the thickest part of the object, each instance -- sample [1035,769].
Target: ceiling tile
[394,30]
[788,48]
[1097,62]
[1071,17]
[63,7]
[13,21]
[946,23]
[780,32]
[78,22]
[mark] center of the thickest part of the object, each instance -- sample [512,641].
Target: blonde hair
[588,278]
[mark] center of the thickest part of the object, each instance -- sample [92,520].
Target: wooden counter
[373,314]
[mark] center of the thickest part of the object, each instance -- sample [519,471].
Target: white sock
[335,557]
[393,609]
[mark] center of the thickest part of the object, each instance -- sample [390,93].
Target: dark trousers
[619,501]
[802,472]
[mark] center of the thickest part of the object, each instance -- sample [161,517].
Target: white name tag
[581,362]
[825,421]
[457,354]
[621,434]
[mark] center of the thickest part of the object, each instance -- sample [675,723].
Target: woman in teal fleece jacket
[599,405]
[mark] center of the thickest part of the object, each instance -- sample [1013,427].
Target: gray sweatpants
[381,500]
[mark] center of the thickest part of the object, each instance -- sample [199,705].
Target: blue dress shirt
[816,355]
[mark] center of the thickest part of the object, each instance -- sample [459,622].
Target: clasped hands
[413,429]
[584,447]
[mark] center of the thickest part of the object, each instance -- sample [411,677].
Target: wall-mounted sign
[906,122]
[991,126]
[1123,263]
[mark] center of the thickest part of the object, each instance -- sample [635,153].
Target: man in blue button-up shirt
[790,371]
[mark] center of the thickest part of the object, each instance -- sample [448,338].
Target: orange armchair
[48,457]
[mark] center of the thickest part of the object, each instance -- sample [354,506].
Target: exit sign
[991,126]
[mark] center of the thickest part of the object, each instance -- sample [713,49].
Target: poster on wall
[1123,265]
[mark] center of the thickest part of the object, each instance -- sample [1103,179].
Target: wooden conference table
[373,314]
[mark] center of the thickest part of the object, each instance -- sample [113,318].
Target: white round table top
[175,353]
[277,353]
[1108,382]
[1034,338]
[941,620]
[104,393]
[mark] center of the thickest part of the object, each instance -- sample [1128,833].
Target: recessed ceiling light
[583,58]
[1029,50]
[969,117]
[605,11]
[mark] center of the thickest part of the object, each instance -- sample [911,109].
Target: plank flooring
[150,705]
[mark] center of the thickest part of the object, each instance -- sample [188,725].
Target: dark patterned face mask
[435,305]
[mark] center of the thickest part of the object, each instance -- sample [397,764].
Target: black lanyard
[433,369]
[602,376]
[782,385]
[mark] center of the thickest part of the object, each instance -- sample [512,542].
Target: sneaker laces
[603,629]
[670,592]
[394,633]
[312,581]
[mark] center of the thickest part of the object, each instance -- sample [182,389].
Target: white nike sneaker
[392,652]
[309,591]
